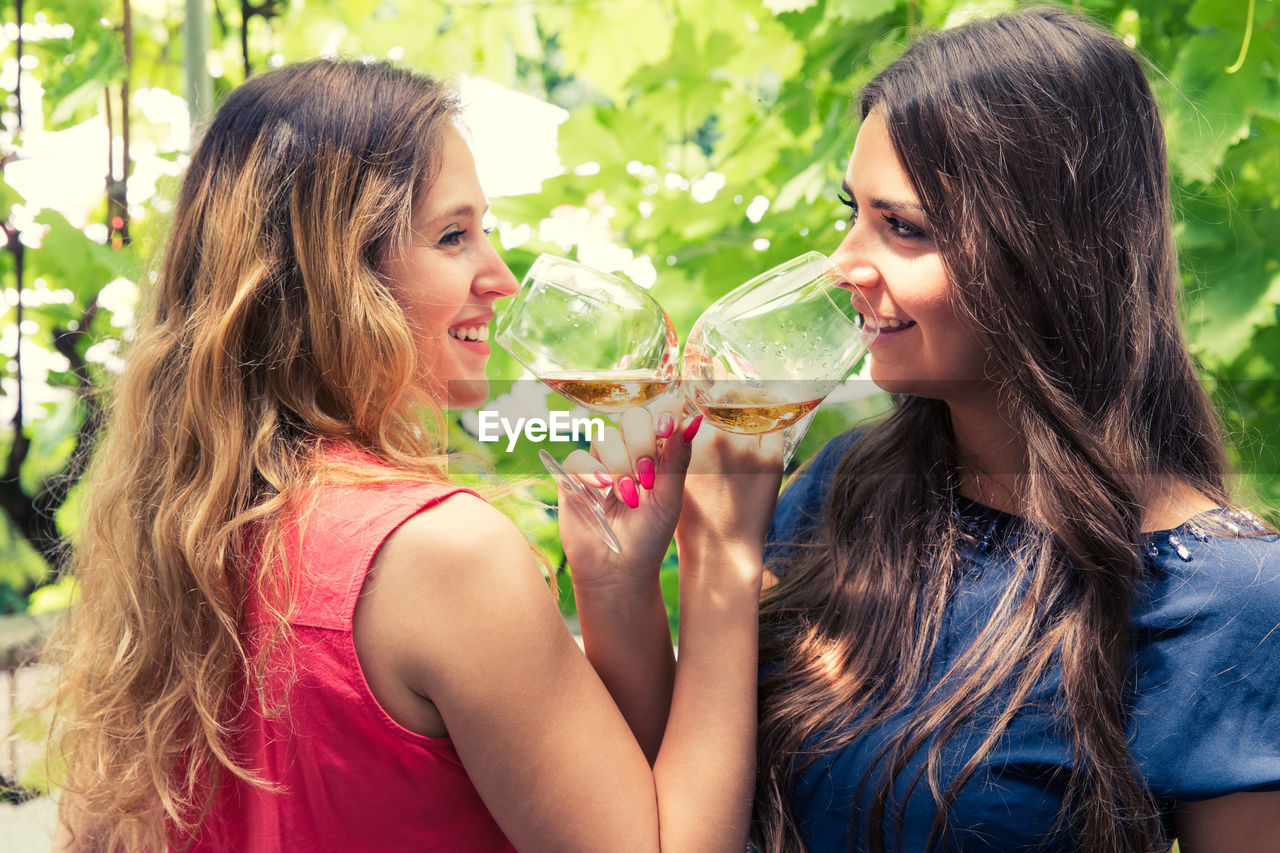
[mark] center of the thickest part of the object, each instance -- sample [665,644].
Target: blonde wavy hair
[270,331]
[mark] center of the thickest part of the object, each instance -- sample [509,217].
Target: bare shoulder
[455,527]
[439,589]
[452,579]
[464,638]
[461,543]
[456,561]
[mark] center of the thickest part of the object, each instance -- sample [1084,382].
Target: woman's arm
[621,612]
[725,515]
[458,607]
[627,639]
[1247,821]
[619,600]
[475,632]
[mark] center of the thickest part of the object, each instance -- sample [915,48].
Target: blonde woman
[294,633]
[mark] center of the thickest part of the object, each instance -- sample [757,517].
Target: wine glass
[594,338]
[763,356]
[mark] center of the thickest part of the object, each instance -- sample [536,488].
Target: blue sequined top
[1205,714]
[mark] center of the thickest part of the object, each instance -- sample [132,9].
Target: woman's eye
[852,205]
[452,238]
[902,228]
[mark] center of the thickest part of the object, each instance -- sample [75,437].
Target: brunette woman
[1020,612]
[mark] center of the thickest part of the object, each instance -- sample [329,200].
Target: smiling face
[925,348]
[448,278]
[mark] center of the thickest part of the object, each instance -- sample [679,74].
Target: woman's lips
[481,347]
[888,333]
[472,336]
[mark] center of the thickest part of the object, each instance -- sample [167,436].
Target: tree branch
[18,450]
[66,341]
[221,19]
[117,188]
[35,516]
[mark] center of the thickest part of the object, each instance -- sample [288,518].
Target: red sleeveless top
[350,777]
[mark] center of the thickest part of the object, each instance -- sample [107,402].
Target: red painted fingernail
[666,425]
[602,477]
[627,491]
[691,430]
[646,471]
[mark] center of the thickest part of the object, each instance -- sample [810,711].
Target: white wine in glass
[608,391]
[753,413]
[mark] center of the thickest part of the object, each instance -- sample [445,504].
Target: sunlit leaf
[763,97]
[1211,110]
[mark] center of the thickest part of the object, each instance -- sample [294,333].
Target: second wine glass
[763,356]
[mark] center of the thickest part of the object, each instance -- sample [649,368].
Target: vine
[1244,46]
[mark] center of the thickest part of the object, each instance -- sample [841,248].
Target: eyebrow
[458,210]
[885,204]
[463,210]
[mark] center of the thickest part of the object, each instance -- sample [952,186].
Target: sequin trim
[1247,520]
[983,531]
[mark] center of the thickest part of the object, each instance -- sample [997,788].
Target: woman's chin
[466,393]
[896,384]
[966,392]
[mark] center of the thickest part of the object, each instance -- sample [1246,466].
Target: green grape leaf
[67,258]
[861,10]
[607,43]
[1211,109]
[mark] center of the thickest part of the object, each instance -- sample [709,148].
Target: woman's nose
[860,276]
[497,278]
[856,263]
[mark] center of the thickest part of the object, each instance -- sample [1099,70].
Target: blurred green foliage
[661,93]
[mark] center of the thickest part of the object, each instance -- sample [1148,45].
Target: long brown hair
[1034,144]
[271,329]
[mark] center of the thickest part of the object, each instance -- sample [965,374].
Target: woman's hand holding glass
[757,363]
[731,486]
[644,457]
